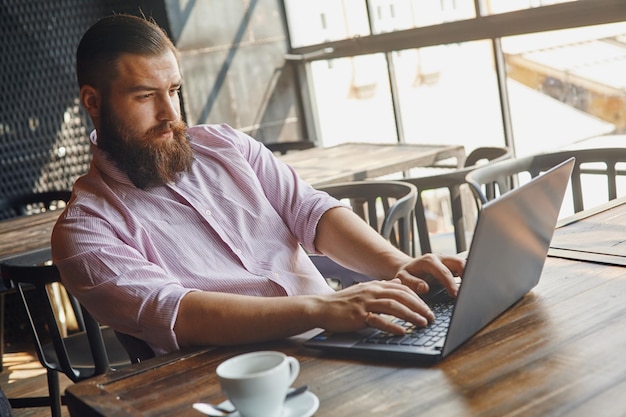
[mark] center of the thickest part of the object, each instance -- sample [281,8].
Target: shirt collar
[102,161]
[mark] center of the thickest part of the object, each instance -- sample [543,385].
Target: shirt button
[276,275]
[238,251]
[207,212]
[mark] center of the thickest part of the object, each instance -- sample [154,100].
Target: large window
[532,74]
[449,94]
[566,86]
[353,100]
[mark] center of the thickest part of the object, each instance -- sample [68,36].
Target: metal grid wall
[43,130]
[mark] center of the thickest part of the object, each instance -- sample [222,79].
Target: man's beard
[147,159]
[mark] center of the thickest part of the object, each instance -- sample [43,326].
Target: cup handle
[294,369]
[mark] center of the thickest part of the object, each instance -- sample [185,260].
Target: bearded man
[194,236]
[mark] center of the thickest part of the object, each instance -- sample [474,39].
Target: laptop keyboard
[433,335]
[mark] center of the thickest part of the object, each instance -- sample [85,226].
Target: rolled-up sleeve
[119,285]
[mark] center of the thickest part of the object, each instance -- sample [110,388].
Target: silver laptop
[505,261]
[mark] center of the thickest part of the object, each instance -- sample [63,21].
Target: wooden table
[559,351]
[358,161]
[597,235]
[26,233]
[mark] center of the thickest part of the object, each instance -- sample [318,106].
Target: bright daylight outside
[566,88]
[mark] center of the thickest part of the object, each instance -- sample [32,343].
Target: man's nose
[169,109]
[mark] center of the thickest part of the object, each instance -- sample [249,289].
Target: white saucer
[303,405]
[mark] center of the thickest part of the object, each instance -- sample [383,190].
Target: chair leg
[55,393]
[2,332]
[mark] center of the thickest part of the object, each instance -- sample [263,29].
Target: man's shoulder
[212,131]
[220,136]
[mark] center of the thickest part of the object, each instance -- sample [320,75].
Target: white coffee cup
[257,382]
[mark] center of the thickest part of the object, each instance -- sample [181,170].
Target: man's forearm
[350,241]
[206,318]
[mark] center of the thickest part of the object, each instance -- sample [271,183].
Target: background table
[559,351]
[596,235]
[358,161]
[26,233]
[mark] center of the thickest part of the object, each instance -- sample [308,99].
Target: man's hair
[109,38]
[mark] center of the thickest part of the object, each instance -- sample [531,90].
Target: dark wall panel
[43,130]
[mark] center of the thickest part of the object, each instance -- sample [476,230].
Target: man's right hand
[364,305]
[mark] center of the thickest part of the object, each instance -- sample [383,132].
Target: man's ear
[91,99]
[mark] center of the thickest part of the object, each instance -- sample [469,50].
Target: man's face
[139,124]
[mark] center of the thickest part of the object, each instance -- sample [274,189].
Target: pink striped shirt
[234,224]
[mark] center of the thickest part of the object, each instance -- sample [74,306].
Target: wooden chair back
[387,206]
[86,352]
[454,183]
[492,180]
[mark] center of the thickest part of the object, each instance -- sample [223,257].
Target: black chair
[33,203]
[492,180]
[337,276]
[284,147]
[455,184]
[22,205]
[387,206]
[90,351]
[137,349]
